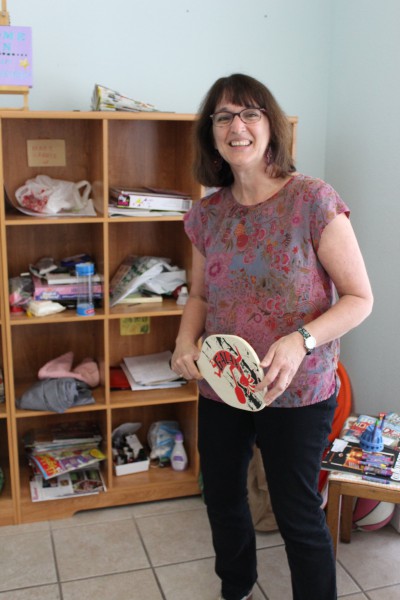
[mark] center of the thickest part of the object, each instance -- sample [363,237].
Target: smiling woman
[269,248]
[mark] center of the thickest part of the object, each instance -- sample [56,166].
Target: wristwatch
[309,341]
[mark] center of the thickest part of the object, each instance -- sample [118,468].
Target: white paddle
[232,368]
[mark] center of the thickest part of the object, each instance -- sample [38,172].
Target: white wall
[168,53]
[313,54]
[362,163]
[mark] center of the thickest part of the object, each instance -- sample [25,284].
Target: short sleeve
[326,206]
[194,222]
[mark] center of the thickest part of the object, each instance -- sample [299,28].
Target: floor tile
[167,506]
[197,576]
[345,583]
[372,560]
[268,539]
[176,537]
[48,592]
[98,549]
[24,528]
[26,560]
[101,515]
[273,573]
[138,585]
[385,593]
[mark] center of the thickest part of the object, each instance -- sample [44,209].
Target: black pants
[291,442]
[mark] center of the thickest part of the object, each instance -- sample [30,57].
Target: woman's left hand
[282,360]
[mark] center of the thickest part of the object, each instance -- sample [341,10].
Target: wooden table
[339,508]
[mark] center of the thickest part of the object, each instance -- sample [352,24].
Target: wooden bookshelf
[106,149]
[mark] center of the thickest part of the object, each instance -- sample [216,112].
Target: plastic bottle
[84,304]
[179,460]
[183,296]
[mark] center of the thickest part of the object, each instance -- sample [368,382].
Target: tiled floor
[163,551]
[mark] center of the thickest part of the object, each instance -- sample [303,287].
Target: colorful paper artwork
[16,56]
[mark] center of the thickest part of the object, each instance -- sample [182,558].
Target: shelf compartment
[150,238]
[28,244]
[184,413]
[44,421]
[35,345]
[152,153]
[161,337]
[83,153]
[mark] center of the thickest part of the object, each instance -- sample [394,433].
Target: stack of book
[142,202]
[64,461]
[151,371]
[64,288]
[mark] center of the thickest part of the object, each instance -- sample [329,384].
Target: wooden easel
[4,16]
[12,89]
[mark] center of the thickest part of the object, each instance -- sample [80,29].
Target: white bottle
[183,296]
[179,458]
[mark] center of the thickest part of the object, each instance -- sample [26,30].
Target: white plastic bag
[51,196]
[161,438]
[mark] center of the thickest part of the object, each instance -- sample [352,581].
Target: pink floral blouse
[263,278]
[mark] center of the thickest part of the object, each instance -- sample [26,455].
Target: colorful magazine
[77,483]
[57,462]
[349,457]
[390,427]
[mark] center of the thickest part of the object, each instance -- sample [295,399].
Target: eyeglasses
[249,116]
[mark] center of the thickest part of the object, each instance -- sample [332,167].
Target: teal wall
[334,63]
[362,162]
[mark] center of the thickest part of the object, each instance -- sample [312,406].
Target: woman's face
[241,145]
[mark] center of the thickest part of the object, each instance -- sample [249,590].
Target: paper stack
[151,371]
[142,202]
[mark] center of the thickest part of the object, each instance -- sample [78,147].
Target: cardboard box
[133,467]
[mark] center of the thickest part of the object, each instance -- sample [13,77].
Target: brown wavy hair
[242,90]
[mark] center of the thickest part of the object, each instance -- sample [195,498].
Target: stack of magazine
[104,98]
[64,461]
[143,202]
[151,371]
[146,274]
[349,461]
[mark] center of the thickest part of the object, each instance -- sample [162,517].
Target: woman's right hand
[184,359]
